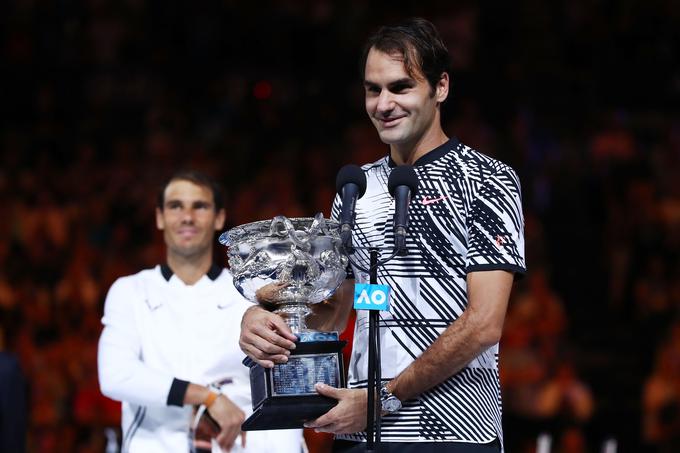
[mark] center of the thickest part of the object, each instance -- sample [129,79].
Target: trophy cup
[297,262]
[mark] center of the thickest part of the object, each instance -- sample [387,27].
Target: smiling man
[449,294]
[172,330]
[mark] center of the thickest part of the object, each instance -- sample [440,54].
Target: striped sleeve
[496,225]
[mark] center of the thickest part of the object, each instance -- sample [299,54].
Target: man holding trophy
[449,289]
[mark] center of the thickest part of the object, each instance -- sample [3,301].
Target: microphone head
[351,174]
[403,175]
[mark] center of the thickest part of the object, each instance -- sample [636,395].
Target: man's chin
[393,139]
[390,137]
[189,251]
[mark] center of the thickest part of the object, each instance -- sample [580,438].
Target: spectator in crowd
[13,422]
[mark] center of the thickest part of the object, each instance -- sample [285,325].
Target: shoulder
[130,285]
[476,166]
[471,158]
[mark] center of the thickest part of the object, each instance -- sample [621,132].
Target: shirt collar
[214,272]
[430,156]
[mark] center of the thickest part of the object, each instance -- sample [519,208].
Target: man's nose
[187,216]
[385,102]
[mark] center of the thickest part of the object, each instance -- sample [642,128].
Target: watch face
[391,404]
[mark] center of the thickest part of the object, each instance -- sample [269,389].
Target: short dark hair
[418,42]
[198,178]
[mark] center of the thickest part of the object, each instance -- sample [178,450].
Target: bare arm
[478,328]
[267,339]
[332,315]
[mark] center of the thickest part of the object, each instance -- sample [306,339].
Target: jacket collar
[155,299]
[212,274]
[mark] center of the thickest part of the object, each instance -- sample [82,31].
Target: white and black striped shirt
[465,217]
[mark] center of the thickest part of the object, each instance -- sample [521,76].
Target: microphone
[403,185]
[350,184]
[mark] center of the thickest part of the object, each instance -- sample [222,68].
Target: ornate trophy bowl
[290,264]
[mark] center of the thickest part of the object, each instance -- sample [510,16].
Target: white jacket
[156,329]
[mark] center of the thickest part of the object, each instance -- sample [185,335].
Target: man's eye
[399,88]
[373,90]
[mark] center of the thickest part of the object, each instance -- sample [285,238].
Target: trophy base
[288,412]
[284,396]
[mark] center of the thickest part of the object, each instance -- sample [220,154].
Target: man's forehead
[182,189]
[394,56]
[397,58]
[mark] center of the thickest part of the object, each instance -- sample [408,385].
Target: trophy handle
[319,224]
[281,224]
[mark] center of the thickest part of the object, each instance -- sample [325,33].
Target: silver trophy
[288,265]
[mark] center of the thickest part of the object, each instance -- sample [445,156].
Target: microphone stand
[373,415]
[373,409]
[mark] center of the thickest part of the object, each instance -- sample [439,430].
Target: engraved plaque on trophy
[291,264]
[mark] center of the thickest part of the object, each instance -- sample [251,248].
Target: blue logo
[371,297]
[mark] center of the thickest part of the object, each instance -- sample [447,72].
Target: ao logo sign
[371,297]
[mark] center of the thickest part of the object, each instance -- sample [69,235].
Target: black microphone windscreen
[403,175]
[351,174]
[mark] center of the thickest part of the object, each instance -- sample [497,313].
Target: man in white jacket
[171,331]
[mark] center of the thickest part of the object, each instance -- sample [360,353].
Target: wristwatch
[390,403]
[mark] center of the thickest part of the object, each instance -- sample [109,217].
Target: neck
[409,153]
[189,269]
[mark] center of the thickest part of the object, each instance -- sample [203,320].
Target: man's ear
[160,222]
[219,219]
[442,89]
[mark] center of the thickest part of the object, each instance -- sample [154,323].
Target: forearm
[125,378]
[449,354]
[329,315]
[196,394]
[476,330]
[332,315]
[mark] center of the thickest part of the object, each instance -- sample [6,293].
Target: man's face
[188,219]
[402,108]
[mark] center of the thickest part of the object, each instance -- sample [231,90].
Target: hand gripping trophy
[290,264]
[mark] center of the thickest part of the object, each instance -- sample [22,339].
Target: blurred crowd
[102,100]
